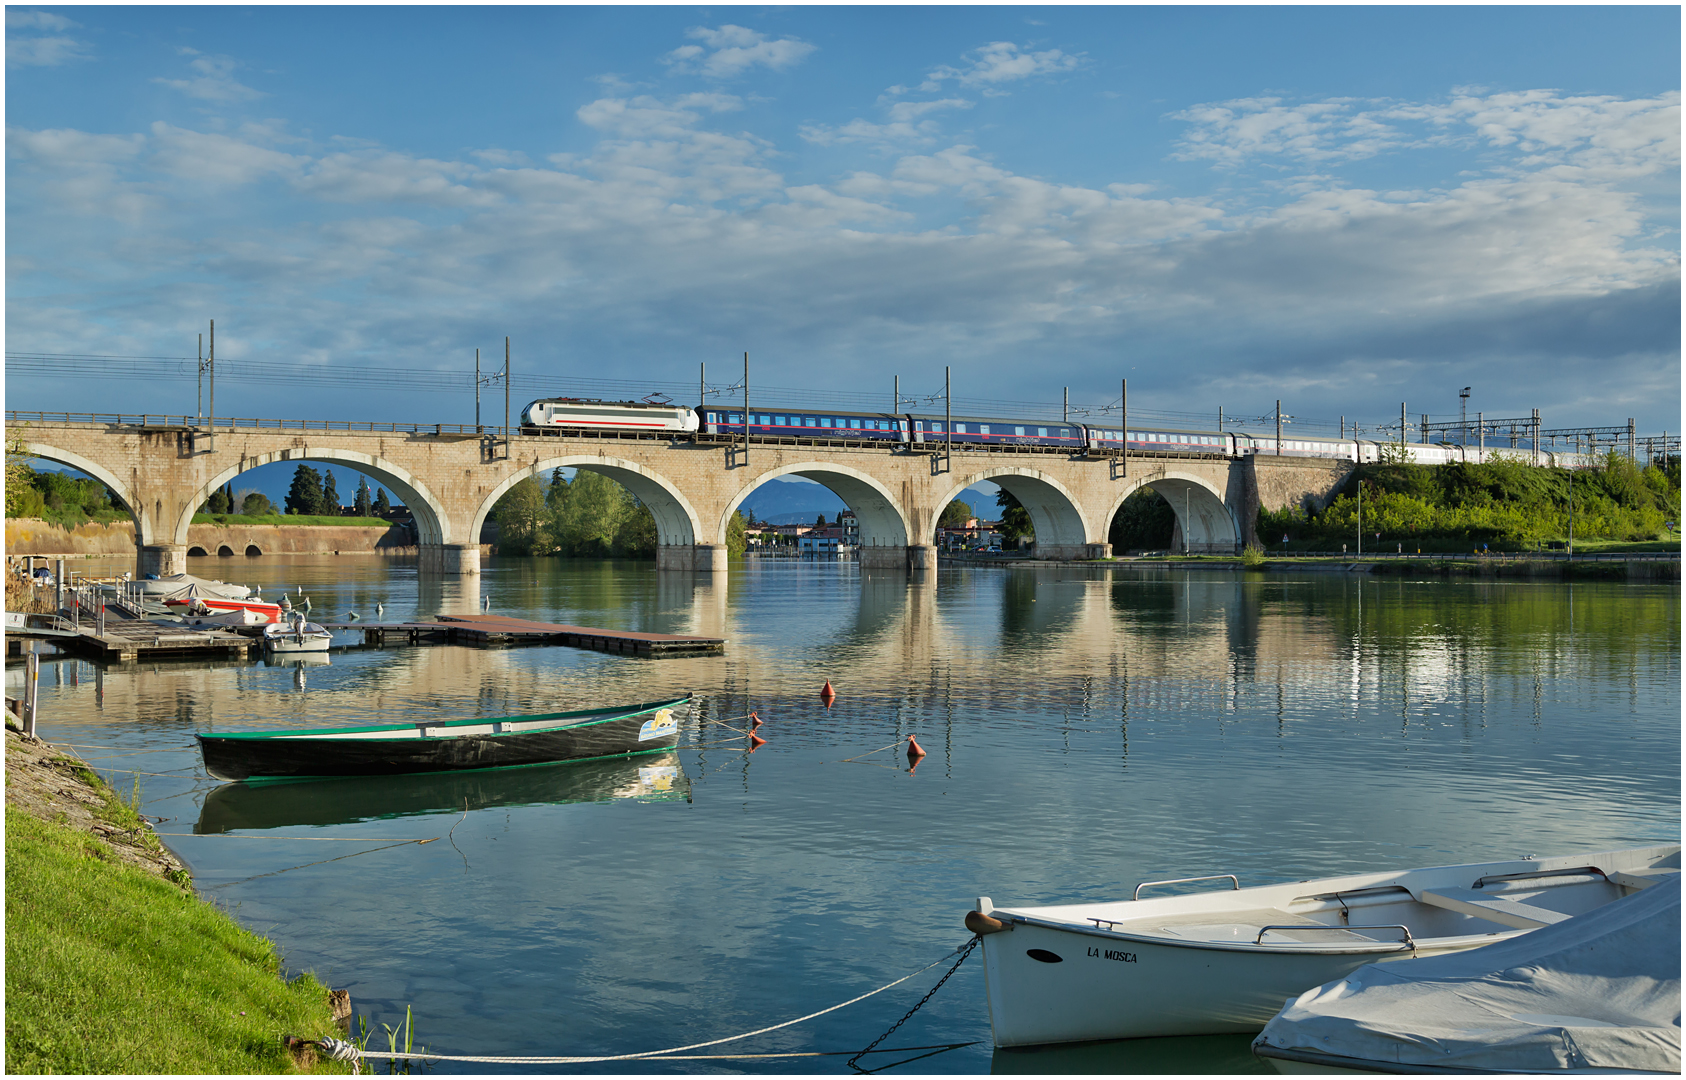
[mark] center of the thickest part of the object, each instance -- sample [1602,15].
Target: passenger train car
[928,429]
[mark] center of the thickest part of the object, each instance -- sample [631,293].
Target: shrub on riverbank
[1505,504]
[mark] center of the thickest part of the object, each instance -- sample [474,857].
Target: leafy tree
[21,494]
[737,539]
[305,495]
[1015,519]
[635,538]
[363,503]
[1146,521]
[819,522]
[220,502]
[524,527]
[256,504]
[955,515]
[383,505]
[330,497]
[589,519]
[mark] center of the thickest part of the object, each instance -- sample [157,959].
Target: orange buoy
[914,750]
[755,741]
[755,721]
[827,692]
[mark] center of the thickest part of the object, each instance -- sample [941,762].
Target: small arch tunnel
[1203,525]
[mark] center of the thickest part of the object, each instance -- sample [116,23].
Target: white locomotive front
[614,415]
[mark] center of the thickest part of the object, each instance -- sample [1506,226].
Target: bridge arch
[433,525]
[676,520]
[1062,530]
[882,520]
[1209,524]
[48,452]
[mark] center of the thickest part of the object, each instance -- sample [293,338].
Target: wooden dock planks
[137,639]
[486,629]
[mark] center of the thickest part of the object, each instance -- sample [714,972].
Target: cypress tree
[305,496]
[383,506]
[364,503]
[330,497]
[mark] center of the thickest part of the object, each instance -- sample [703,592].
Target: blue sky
[1344,208]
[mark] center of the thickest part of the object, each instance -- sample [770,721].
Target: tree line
[588,517]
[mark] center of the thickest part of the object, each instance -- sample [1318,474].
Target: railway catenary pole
[746,408]
[1481,436]
[1632,450]
[1536,436]
[199,411]
[477,391]
[1124,427]
[1402,431]
[1065,410]
[212,418]
[1220,418]
[948,422]
[506,398]
[1279,428]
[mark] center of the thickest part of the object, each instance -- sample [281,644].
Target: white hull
[1189,965]
[283,640]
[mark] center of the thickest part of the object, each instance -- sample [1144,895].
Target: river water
[1086,729]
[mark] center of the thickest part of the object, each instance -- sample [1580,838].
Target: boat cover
[1599,991]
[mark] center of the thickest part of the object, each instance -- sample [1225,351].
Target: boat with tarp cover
[423,746]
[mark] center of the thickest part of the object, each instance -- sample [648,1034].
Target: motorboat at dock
[202,609]
[1226,961]
[296,636]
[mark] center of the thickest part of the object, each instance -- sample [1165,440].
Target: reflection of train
[927,429]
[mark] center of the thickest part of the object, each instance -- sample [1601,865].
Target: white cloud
[908,125]
[47,46]
[728,51]
[1000,62]
[213,82]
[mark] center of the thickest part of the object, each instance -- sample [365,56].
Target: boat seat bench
[1642,879]
[1496,909]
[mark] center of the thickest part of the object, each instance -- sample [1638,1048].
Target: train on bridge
[562,415]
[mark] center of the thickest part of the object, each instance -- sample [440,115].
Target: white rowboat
[297,636]
[1226,961]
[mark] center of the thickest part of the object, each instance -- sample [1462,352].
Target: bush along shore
[113,964]
[1498,506]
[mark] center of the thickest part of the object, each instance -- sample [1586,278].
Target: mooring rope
[336,1046]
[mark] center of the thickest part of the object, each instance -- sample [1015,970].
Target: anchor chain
[964,953]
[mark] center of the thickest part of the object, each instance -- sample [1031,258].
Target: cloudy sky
[1344,208]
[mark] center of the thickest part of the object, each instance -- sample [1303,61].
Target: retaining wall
[29,536]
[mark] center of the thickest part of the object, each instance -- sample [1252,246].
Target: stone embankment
[28,536]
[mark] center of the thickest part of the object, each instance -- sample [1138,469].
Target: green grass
[112,969]
[287,519]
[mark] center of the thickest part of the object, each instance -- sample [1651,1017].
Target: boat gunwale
[605,716]
[272,780]
[1420,947]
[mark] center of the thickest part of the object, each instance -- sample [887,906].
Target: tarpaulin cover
[1599,991]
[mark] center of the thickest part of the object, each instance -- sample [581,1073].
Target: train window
[983,429]
[1042,431]
[919,425]
[960,429]
[778,421]
[736,418]
[711,419]
[1018,430]
[808,421]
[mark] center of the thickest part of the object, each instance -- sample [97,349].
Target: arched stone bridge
[164,468]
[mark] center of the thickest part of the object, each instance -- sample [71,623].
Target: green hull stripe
[630,711]
[460,772]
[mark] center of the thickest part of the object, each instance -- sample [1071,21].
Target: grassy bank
[112,967]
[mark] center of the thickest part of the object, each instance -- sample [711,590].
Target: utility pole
[477,391]
[1065,410]
[506,398]
[1401,423]
[199,409]
[1463,413]
[1536,436]
[746,408]
[1632,450]
[1279,427]
[1481,436]
[702,386]
[1360,480]
[1220,418]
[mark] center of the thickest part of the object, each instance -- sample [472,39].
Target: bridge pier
[161,559]
[701,558]
[446,559]
[921,557]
